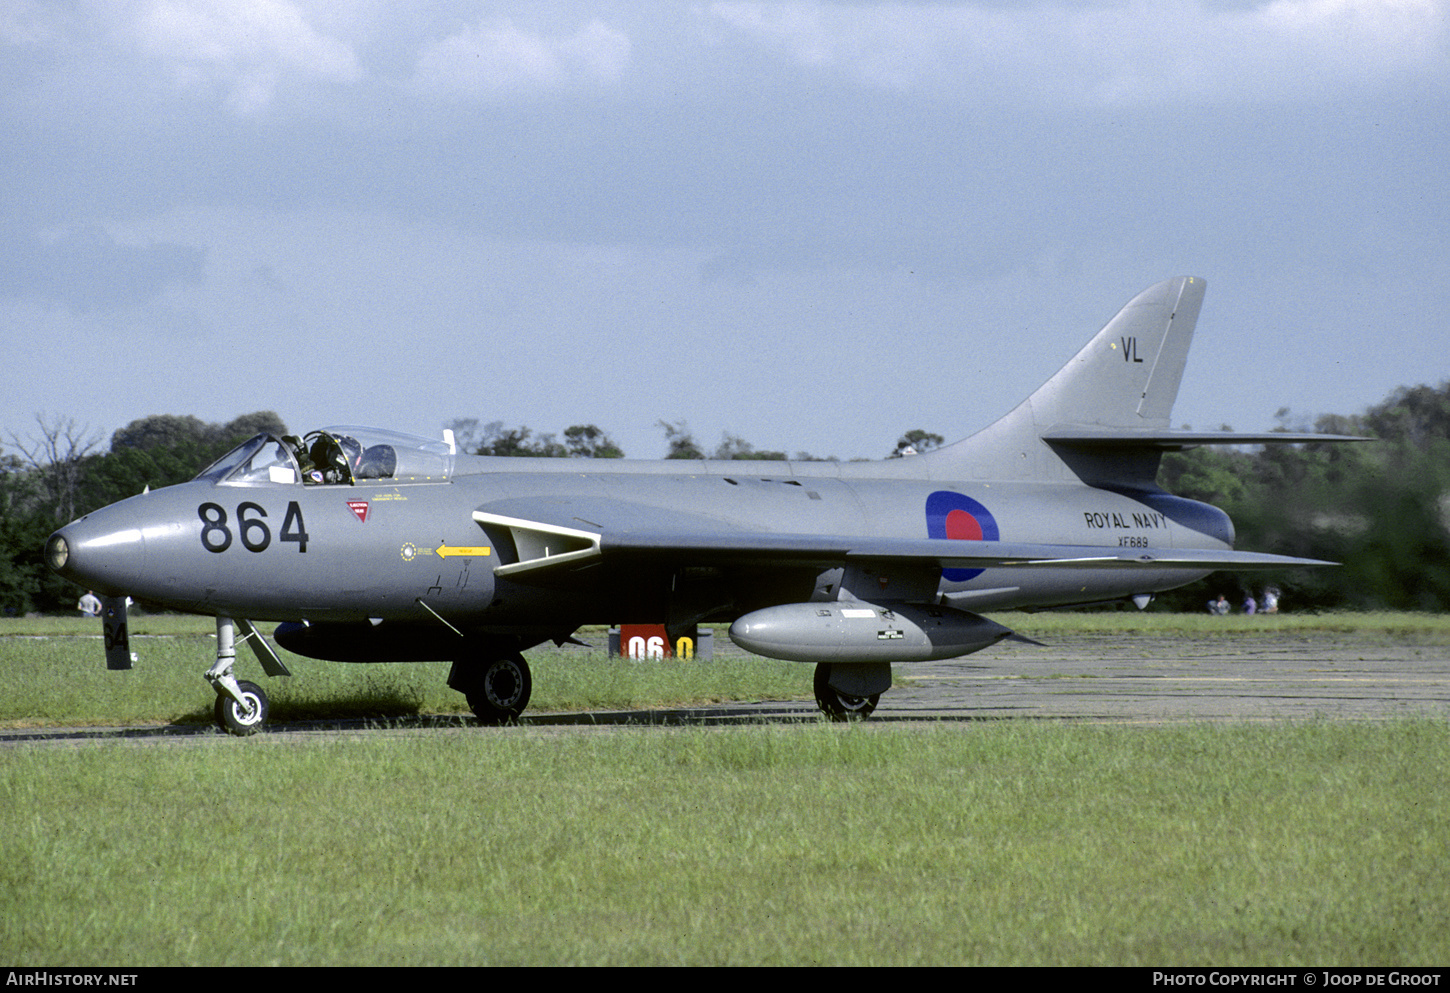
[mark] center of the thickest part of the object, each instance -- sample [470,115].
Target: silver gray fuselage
[384,550]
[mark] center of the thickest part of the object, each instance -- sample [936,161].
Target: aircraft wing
[946,554]
[544,550]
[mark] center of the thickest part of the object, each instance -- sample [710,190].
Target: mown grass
[1001,842]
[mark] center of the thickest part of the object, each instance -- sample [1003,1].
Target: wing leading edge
[946,554]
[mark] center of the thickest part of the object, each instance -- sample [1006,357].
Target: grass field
[1007,843]
[998,842]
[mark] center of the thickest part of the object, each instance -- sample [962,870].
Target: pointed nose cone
[100,556]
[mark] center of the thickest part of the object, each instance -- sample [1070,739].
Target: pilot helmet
[351,448]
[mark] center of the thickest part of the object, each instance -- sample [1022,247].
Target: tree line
[57,473]
[1381,509]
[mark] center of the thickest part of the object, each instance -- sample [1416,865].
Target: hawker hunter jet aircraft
[378,547]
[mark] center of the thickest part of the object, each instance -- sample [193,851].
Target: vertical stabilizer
[1122,382]
[1128,375]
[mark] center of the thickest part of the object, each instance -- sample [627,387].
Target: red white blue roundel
[953,515]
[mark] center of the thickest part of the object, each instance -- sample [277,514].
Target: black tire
[841,706]
[232,718]
[501,690]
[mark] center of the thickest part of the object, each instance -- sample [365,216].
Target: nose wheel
[245,716]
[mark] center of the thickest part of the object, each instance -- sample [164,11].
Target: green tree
[916,442]
[680,441]
[734,447]
[168,431]
[506,442]
[588,441]
[1382,509]
[1416,415]
[166,449]
[584,441]
[498,440]
[1211,474]
[24,525]
[465,433]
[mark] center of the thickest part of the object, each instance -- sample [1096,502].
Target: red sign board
[649,641]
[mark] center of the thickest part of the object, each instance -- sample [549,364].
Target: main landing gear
[241,707]
[850,691]
[497,689]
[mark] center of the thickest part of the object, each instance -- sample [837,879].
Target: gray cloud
[87,269]
[770,203]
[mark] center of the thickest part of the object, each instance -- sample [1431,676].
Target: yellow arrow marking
[445,552]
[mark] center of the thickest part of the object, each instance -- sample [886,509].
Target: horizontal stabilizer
[1094,436]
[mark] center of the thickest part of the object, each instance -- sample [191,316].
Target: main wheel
[841,706]
[501,691]
[233,718]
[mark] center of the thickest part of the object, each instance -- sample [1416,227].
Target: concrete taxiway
[1247,676]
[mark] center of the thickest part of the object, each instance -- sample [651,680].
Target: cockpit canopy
[334,456]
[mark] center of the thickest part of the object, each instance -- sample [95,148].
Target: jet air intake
[853,631]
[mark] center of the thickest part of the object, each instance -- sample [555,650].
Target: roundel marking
[958,517]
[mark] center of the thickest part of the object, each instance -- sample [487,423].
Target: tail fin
[1097,419]
[1128,375]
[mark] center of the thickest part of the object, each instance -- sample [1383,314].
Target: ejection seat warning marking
[360,508]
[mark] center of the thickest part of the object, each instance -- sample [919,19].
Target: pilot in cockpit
[334,456]
[310,473]
[326,459]
[334,459]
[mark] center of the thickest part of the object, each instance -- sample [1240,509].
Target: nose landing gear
[241,707]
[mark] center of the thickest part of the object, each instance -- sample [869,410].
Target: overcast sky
[811,225]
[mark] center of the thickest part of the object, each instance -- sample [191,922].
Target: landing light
[57,552]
